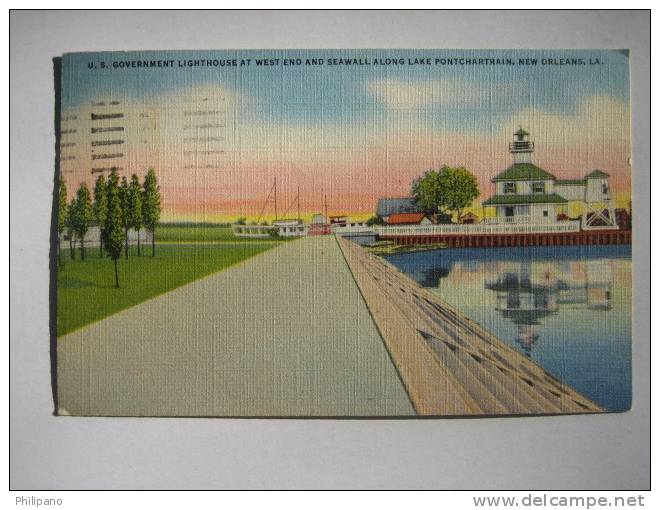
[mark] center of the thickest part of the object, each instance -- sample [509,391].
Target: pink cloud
[355,165]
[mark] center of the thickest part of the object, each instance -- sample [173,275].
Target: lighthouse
[521,147]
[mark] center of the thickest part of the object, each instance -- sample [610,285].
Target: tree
[375,220]
[427,192]
[70,232]
[100,206]
[81,215]
[62,210]
[459,189]
[151,206]
[134,211]
[114,225]
[448,190]
[125,206]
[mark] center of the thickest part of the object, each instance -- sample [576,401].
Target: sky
[218,136]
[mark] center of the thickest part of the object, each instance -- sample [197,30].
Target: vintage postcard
[343,233]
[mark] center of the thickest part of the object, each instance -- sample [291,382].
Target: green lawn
[86,292]
[199,233]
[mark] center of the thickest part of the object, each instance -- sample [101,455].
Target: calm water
[567,308]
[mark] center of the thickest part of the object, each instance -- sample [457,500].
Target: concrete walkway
[239,343]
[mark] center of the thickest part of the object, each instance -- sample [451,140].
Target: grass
[198,233]
[391,249]
[86,292]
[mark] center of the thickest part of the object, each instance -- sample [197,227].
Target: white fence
[507,220]
[352,228]
[93,237]
[480,228]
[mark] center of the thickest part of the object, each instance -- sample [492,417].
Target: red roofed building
[409,219]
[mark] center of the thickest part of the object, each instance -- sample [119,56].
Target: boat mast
[275,188]
[266,202]
[298,202]
[325,207]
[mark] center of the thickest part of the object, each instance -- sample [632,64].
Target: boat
[279,228]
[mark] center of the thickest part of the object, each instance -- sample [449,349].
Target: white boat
[282,227]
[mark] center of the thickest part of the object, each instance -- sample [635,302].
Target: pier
[314,327]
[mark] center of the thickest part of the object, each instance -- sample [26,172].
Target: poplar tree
[151,206]
[69,227]
[82,215]
[114,224]
[100,207]
[62,210]
[134,211]
[125,209]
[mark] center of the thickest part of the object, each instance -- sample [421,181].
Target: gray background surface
[608,452]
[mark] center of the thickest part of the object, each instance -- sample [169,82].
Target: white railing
[480,228]
[499,220]
[264,231]
[601,227]
[352,228]
[260,231]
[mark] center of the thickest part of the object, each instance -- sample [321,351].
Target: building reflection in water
[526,293]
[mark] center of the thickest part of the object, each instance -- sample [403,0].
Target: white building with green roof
[525,193]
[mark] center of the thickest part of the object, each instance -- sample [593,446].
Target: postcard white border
[568,452]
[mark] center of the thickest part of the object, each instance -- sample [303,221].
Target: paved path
[239,343]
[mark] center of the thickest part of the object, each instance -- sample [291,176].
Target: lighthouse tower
[521,147]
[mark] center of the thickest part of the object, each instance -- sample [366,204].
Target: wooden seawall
[448,363]
[594,237]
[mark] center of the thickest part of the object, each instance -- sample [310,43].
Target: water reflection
[525,296]
[567,308]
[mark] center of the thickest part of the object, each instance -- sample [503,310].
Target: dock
[315,327]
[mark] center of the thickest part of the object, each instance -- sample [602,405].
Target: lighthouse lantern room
[521,147]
